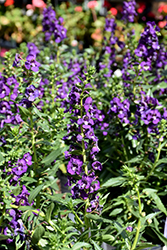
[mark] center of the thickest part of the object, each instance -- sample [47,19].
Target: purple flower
[25,103]
[97,165]
[129,228]
[32,49]
[17,60]
[74,165]
[31,93]
[31,63]
[129,11]
[21,167]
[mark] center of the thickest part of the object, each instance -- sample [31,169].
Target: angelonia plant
[95,118]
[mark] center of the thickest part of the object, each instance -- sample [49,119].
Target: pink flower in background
[92,4]
[36,4]
[39,3]
[3,51]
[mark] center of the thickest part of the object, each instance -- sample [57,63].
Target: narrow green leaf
[164,160]
[24,111]
[52,156]
[116,212]
[1,157]
[159,203]
[79,245]
[34,193]
[142,246]
[160,236]
[107,238]
[96,247]
[38,233]
[113,182]
[4,237]
[49,212]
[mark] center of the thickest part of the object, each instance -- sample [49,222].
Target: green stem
[124,149]
[80,221]
[139,222]
[33,144]
[155,163]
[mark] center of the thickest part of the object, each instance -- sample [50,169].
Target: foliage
[100,118]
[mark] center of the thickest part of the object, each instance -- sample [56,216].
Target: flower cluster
[148,46]
[53,26]
[82,166]
[15,226]
[120,109]
[147,111]
[129,11]
[19,168]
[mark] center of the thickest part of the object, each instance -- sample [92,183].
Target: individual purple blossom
[31,63]
[25,103]
[20,167]
[74,165]
[17,60]
[129,228]
[31,93]
[32,49]
[97,165]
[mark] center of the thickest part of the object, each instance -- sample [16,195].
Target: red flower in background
[113,11]
[141,8]
[92,4]
[8,3]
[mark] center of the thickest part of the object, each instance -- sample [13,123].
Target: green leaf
[113,182]
[107,238]
[1,157]
[136,159]
[142,246]
[98,218]
[79,245]
[24,111]
[49,212]
[96,247]
[38,233]
[4,237]
[52,156]
[34,193]
[160,236]
[164,160]
[116,212]
[159,203]
[28,179]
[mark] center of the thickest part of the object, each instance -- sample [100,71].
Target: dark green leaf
[144,245]
[38,233]
[113,182]
[52,156]
[34,193]
[159,203]
[79,245]
[24,111]
[116,212]
[49,212]
[96,247]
